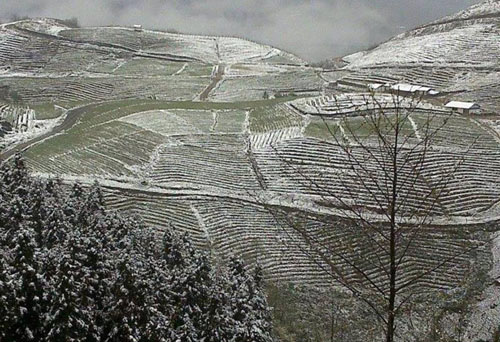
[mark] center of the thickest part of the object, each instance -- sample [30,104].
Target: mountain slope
[105,62]
[468,39]
[196,131]
[457,55]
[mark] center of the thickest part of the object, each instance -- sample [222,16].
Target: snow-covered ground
[210,49]
[202,154]
[487,7]
[43,25]
[454,48]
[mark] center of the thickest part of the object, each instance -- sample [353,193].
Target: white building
[376,86]
[413,89]
[464,107]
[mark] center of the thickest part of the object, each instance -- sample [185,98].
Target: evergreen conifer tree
[72,271]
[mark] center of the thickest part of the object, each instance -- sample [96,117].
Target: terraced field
[53,63]
[251,87]
[204,166]
[229,225]
[200,132]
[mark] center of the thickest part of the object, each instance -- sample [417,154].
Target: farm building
[376,86]
[412,89]
[464,107]
[137,28]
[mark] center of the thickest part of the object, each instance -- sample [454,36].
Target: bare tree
[389,197]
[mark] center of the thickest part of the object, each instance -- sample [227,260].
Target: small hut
[465,108]
[137,28]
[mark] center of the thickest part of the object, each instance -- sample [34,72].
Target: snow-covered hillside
[468,39]
[457,55]
[209,49]
[104,63]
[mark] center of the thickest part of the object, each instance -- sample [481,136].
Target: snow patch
[415,128]
[161,122]
[353,57]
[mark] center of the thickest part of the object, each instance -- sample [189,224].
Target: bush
[72,271]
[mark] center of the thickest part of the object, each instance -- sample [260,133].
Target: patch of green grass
[98,130]
[104,112]
[355,128]
[97,120]
[264,119]
[148,67]
[198,69]
[111,149]
[64,143]
[46,111]
[319,130]
[230,121]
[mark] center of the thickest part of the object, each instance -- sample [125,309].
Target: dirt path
[71,118]
[217,78]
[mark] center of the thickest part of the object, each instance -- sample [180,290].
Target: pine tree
[28,296]
[72,271]
[249,305]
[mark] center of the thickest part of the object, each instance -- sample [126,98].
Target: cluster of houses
[465,108]
[406,89]
[403,88]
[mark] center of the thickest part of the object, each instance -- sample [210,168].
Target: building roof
[375,86]
[462,105]
[410,88]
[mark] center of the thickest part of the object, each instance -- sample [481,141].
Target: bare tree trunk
[386,161]
[392,285]
[392,239]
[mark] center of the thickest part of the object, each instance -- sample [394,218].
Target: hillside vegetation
[204,134]
[72,270]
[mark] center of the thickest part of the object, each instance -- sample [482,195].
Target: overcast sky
[312,29]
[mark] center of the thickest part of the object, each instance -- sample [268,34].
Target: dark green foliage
[71,271]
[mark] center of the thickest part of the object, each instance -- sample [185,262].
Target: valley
[206,134]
